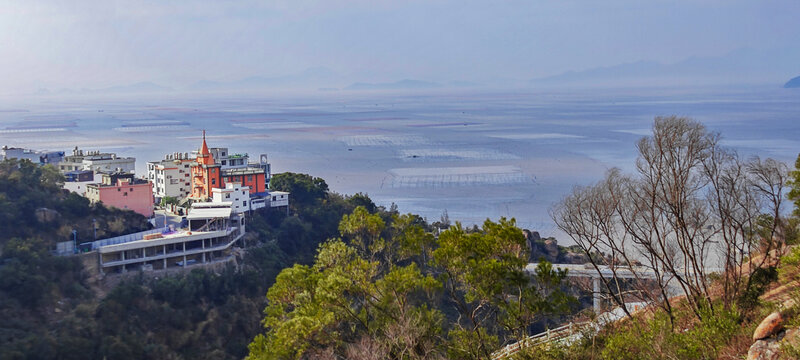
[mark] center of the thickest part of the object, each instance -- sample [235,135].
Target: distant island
[794,83]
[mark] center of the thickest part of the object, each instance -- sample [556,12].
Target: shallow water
[474,154]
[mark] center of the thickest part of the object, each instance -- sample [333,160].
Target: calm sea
[476,155]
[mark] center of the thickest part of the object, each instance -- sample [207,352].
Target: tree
[794,185]
[305,188]
[169,200]
[485,279]
[364,231]
[689,200]
[360,199]
[349,302]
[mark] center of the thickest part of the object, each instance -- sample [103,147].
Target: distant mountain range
[744,66]
[793,83]
[310,78]
[323,79]
[136,88]
[397,85]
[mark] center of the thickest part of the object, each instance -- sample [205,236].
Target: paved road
[172,219]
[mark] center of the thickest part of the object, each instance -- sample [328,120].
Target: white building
[278,198]
[236,194]
[79,187]
[239,197]
[96,161]
[171,176]
[223,157]
[35,156]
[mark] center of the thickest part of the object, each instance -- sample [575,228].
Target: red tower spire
[205,156]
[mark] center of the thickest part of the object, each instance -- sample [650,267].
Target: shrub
[759,282]
[655,338]
[789,263]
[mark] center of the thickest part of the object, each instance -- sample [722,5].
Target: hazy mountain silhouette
[143,87]
[309,78]
[397,85]
[793,83]
[743,66]
[140,87]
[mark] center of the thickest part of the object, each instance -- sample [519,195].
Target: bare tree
[690,203]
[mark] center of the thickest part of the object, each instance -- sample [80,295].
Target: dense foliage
[32,204]
[391,290]
[52,308]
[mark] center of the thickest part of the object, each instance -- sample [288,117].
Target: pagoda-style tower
[206,175]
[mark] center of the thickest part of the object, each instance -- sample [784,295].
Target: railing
[123,239]
[551,335]
[233,234]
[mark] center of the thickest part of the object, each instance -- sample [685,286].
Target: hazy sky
[85,43]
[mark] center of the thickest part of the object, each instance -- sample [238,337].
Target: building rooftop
[121,182]
[165,238]
[220,210]
[243,171]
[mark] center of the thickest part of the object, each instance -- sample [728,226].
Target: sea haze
[476,155]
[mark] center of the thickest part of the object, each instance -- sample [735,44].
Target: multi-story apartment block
[123,191]
[238,196]
[96,161]
[171,176]
[35,156]
[77,181]
[208,172]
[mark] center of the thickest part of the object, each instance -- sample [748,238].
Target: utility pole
[74,241]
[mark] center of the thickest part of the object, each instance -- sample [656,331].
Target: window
[125,194]
[118,189]
[224,162]
[131,189]
[250,178]
[213,181]
[244,203]
[227,196]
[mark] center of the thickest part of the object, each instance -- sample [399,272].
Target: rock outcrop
[771,325]
[764,350]
[45,215]
[548,249]
[770,339]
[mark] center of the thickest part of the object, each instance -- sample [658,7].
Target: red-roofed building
[208,175]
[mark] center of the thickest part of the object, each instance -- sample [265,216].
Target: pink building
[123,191]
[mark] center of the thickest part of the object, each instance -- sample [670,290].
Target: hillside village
[208,190]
